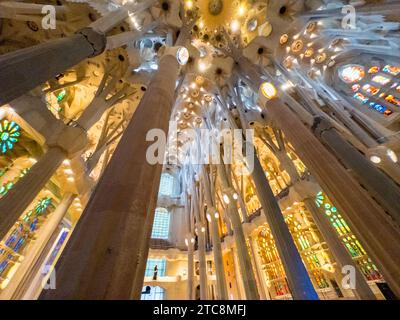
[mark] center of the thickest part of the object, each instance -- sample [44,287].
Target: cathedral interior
[96,203]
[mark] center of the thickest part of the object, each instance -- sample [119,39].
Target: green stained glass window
[9,135]
[42,205]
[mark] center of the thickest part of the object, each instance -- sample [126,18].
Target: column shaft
[201,251]
[386,192]
[249,281]
[369,222]
[143,256]
[190,273]
[296,273]
[100,260]
[218,261]
[216,241]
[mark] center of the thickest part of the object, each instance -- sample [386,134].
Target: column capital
[320,125]
[96,39]
[72,140]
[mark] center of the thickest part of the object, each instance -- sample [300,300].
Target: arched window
[161,224]
[166,184]
[152,293]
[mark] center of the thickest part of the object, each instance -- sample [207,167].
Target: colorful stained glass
[9,133]
[42,205]
[393,100]
[352,73]
[382,80]
[61,95]
[393,70]
[374,70]
[371,89]
[380,108]
[355,87]
[360,97]
[5,188]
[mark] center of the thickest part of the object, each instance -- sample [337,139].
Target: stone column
[143,255]
[249,281]
[201,246]
[260,279]
[100,260]
[339,252]
[219,264]
[368,221]
[190,274]
[216,240]
[385,191]
[296,273]
[34,252]
[201,251]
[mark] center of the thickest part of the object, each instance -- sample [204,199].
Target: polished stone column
[201,246]
[216,240]
[190,275]
[371,225]
[296,273]
[41,240]
[142,257]
[385,191]
[339,252]
[100,260]
[249,281]
[201,251]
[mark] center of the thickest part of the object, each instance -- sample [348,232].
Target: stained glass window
[166,184]
[370,89]
[382,80]
[42,205]
[161,224]
[155,293]
[9,134]
[151,263]
[61,95]
[393,70]
[349,240]
[352,73]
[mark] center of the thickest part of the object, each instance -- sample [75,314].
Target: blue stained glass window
[161,224]
[151,263]
[155,293]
